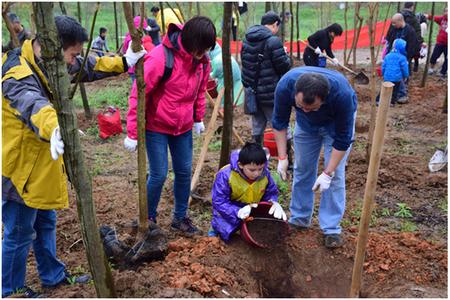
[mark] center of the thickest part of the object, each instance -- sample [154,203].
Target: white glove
[285,49]
[282,168]
[335,61]
[423,52]
[277,211]
[318,51]
[56,144]
[148,28]
[244,212]
[323,182]
[133,57]
[130,144]
[199,127]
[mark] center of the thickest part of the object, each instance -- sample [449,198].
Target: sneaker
[403,100]
[24,292]
[69,280]
[333,241]
[185,226]
[430,71]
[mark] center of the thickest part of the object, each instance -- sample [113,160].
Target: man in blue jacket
[325,106]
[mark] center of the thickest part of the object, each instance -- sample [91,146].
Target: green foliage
[79,270]
[443,204]
[71,279]
[403,211]
[93,130]
[385,212]
[283,189]
[359,145]
[215,146]
[408,226]
[115,93]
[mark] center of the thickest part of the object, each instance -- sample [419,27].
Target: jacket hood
[258,33]
[137,22]
[215,52]
[400,46]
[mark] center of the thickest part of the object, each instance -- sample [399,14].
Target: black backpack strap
[168,67]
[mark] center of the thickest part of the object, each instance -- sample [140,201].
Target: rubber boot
[290,155]
[258,139]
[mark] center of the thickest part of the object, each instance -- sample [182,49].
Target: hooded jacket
[232,191]
[407,34]
[275,64]
[170,17]
[172,106]
[29,175]
[217,73]
[411,19]
[395,65]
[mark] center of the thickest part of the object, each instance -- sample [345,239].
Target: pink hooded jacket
[172,107]
[147,41]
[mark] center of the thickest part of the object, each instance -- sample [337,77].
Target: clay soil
[400,262]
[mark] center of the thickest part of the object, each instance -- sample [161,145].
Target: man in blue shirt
[325,106]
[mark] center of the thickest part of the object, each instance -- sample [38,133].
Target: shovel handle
[329,58]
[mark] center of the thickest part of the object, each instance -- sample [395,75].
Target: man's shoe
[185,226]
[24,292]
[69,280]
[298,227]
[333,241]
[403,100]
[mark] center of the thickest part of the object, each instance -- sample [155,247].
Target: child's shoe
[212,232]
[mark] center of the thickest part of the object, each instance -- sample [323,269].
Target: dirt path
[406,257]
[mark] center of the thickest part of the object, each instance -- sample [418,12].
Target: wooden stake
[73,155]
[430,35]
[136,43]
[208,136]
[371,184]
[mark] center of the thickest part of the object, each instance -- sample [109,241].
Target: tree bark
[283,23]
[228,83]
[52,56]
[298,29]
[198,8]
[116,25]
[346,34]
[291,45]
[267,7]
[142,164]
[163,21]
[9,26]
[430,36]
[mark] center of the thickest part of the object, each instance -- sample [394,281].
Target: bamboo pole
[136,44]
[73,155]
[228,84]
[208,136]
[9,26]
[116,25]
[298,30]
[430,36]
[371,184]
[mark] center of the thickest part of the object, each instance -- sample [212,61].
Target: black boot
[258,139]
[290,155]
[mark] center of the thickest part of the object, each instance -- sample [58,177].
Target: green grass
[309,16]
[114,93]
[403,211]
[283,188]
[408,226]
[215,146]
[443,204]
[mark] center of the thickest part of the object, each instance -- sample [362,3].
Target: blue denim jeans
[402,89]
[181,152]
[24,226]
[332,201]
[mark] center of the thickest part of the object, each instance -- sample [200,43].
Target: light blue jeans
[332,201]
[25,227]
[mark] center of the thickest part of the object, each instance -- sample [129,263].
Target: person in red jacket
[441,43]
[175,107]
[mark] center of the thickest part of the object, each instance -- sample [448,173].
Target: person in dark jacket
[320,41]
[153,30]
[401,30]
[261,39]
[411,20]
[21,32]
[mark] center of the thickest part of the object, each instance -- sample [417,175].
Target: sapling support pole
[136,45]
[430,36]
[208,136]
[371,184]
[52,56]
[9,26]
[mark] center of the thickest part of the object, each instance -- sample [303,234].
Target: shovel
[360,77]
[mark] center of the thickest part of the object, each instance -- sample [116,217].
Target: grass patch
[115,93]
[443,204]
[403,146]
[403,211]
[283,189]
[408,226]
[215,146]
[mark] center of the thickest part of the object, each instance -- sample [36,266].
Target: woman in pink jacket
[174,108]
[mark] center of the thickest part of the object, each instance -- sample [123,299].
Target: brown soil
[398,263]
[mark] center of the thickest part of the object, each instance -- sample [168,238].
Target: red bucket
[258,214]
[269,142]
[212,88]
[379,71]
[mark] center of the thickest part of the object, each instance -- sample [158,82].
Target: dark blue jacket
[337,113]
[395,65]
[154,33]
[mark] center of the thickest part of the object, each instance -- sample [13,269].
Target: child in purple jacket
[239,187]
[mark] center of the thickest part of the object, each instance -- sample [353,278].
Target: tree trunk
[9,26]
[236,12]
[63,8]
[228,83]
[181,11]
[198,8]
[298,30]
[398,6]
[430,35]
[267,7]
[283,23]
[116,25]
[346,34]
[163,21]
[291,45]
[73,154]
[142,164]
[371,24]
[384,27]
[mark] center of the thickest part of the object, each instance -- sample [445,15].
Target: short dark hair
[409,5]
[154,9]
[312,85]
[270,18]
[252,153]
[336,28]
[103,30]
[198,34]
[70,32]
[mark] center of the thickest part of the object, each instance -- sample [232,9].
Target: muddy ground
[406,256]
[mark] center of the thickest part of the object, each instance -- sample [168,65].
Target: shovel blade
[361,78]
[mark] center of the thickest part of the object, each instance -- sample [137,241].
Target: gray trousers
[261,118]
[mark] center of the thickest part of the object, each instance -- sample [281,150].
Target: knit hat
[269,18]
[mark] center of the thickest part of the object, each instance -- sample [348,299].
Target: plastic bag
[109,122]
[438,160]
